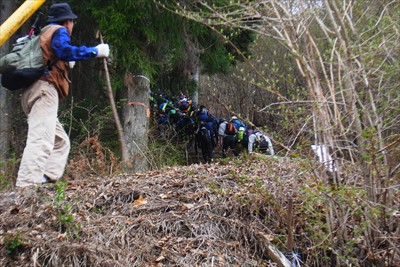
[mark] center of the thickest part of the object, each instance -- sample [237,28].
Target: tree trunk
[6,110]
[136,115]
[195,97]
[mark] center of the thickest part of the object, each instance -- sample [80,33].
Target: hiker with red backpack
[230,138]
[184,105]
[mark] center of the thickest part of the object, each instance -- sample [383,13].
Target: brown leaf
[187,206]
[140,201]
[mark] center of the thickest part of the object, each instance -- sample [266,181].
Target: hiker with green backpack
[47,147]
[242,140]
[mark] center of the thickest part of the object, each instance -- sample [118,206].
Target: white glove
[103,50]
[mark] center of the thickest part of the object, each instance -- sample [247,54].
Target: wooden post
[290,225]
[273,252]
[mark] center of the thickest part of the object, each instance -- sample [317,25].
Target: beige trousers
[47,146]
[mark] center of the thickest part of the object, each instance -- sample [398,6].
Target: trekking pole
[35,24]
[124,149]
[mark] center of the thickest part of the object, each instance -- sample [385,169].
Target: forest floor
[219,214]
[232,212]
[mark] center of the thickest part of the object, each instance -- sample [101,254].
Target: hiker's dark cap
[60,12]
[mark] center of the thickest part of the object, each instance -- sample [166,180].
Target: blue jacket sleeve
[61,43]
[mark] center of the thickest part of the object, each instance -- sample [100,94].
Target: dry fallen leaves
[140,201]
[186,215]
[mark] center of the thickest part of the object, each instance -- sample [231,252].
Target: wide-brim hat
[60,12]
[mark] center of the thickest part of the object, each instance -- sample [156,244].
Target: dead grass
[199,215]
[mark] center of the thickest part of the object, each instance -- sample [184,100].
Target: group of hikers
[47,147]
[207,131]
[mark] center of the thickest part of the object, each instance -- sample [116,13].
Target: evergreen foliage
[168,48]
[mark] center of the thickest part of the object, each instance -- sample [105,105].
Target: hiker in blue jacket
[202,114]
[210,127]
[48,145]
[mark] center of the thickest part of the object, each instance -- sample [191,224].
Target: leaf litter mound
[222,214]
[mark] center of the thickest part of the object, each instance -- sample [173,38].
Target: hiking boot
[47,180]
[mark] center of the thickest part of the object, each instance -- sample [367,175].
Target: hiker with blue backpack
[211,127]
[259,142]
[48,145]
[238,123]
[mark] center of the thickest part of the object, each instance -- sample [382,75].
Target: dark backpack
[205,134]
[230,129]
[261,143]
[24,64]
[184,105]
